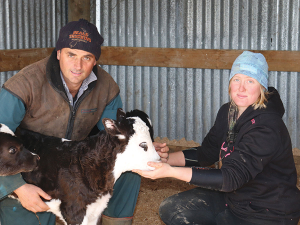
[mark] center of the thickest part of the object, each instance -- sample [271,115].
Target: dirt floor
[152,193]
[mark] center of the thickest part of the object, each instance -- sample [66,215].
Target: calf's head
[14,157]
[132,129]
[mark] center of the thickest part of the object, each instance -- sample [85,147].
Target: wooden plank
[168,57]
[16,59]
[193,58]
[11,60]
[288,61]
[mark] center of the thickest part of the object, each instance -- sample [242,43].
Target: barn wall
[181,102]
[30,24]
[184,102]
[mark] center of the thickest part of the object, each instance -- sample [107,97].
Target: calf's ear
[120,113]
[109,124]
[111,128]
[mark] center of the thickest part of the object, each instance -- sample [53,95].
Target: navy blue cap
[81,35]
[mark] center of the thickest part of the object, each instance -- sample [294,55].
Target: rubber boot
[106,220]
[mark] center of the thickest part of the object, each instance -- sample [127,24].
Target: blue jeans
[202,206]
[122,204]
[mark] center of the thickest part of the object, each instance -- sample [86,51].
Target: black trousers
[205,207]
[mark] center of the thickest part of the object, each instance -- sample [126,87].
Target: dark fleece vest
[48,110]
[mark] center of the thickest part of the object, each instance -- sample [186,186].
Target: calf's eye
[144,146]
[12,150]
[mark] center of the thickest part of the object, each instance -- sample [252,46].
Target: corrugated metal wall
[184,102]
[30,24]
[181,102]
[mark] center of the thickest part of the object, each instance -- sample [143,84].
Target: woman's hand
[163,170]
[163,151]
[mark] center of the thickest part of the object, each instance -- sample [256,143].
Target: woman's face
[244,91]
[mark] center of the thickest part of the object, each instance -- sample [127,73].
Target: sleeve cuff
[190,156]
[207,178]
[8,184]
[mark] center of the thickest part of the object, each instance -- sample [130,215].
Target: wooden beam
[16,59]
[194,58]
[289,61]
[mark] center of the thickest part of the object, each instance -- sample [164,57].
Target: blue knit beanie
[253,65]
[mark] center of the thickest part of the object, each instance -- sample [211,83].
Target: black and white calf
[14,157]
[79,175]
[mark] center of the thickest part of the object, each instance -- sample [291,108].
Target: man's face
[75,65]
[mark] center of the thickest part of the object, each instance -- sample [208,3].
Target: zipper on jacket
[73,111]
[70,123]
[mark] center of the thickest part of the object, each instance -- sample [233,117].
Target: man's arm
[110,111]
[12,112]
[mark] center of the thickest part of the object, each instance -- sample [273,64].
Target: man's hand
[30,198]
[163,151]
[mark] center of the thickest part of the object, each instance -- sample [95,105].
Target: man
[64,95]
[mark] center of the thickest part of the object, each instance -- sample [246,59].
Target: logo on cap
[80,36]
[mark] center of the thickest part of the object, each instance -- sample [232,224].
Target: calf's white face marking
[5,129]
[135,156]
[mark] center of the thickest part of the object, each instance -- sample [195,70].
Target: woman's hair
[262,99]
[260,103]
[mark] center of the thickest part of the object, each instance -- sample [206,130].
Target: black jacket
[258,171]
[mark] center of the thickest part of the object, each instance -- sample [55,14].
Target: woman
[256,182]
